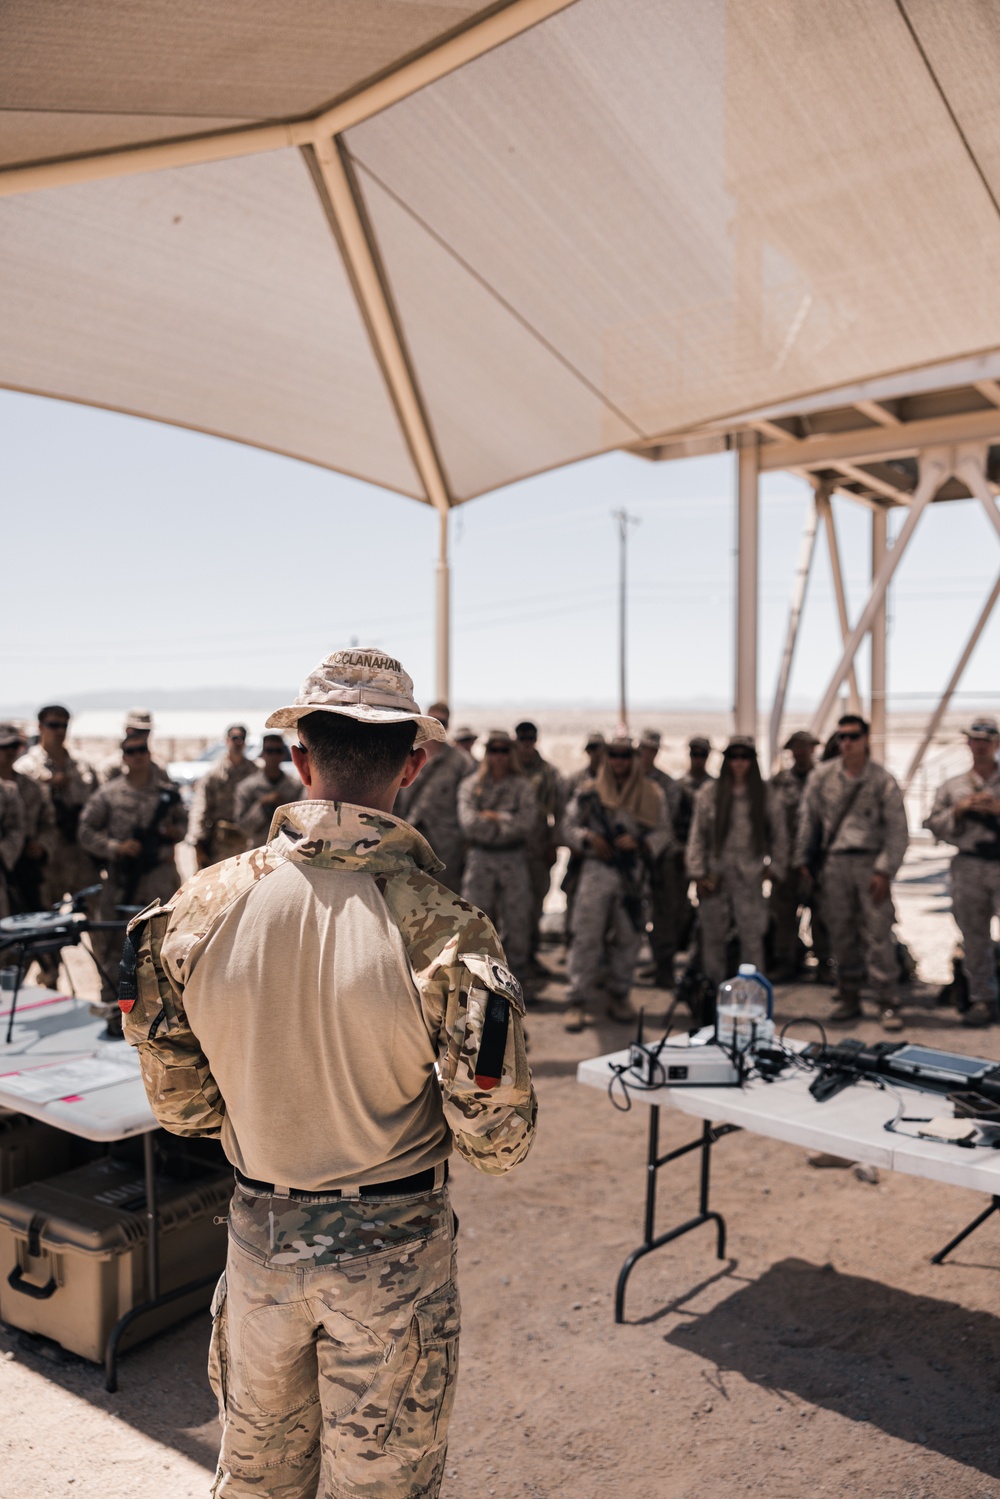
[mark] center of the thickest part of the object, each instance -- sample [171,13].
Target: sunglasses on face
[847,734]
[739,755]
[619,754]
[135,749]
[498,749]
[237,739]
[699,755]
[54,723]
[273,749]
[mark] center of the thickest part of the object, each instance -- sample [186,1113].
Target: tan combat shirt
[319,1004]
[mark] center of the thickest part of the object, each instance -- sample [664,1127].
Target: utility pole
[623,520]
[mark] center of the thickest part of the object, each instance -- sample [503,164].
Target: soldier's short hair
[848,718]
[359,757]
[53,708]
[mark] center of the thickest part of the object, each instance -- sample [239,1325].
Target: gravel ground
[825,1356]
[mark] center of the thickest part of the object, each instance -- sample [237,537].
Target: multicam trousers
[604,945]
[975,900]
[335,1347]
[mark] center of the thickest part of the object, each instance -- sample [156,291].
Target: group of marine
[816,847]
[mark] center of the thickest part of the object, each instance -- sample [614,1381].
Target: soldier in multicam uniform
[966,814]
[691,782]
[594,749]
[497,813]
[617,822]
[259,796]
[465,740]
[853,815]
[667,881]
[431,804]
[69,782]
[543,841]
[138,724]
[696,775]
[130,826]
[214,831]
[342,1021]
[738,839]
[27,874]
[788,895]
[12,823]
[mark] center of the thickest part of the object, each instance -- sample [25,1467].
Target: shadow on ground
[163,1388]
[923,1370]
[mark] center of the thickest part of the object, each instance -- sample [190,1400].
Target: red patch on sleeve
[125,1005]
[486,1083]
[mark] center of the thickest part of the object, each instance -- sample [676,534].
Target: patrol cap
[699,742]
[620,744]
[595,741]
[650,737]
[982,728]
[10,734]
[741,741]
[801,736]
[498,738]
[138,718]
[440,711]
[364,684]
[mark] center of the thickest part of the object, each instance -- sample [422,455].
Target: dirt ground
[826,1355]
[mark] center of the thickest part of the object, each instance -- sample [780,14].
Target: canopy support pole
[747,580]
[879,631]
[934,722]
[800,585]
[442,630]
[935,467]
[825,502]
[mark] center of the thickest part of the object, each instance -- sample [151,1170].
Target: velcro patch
[496,976]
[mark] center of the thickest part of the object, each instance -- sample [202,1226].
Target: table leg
[939,1258]
[654,1161]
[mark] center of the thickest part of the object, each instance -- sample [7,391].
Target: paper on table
[85,1075]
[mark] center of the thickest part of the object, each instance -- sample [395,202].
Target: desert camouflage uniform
[667,883]
[114,766]
[253,819]
[550,800]
[496,877]
[118,811]
[213,811]
[872,839]
[604,943]
[738,873]
[335,1335]
[68,868]
[12,826]
[28,875]
[431,806]
[975,877]
[788,897]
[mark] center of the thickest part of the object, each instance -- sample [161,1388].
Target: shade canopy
[443,246]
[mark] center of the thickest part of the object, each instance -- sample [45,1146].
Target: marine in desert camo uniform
[738,838]
[214,830]
[789,895]
[259,796]
[332,970]
[543,841]
[431,806]
[26,878]
[966,814]
[497,813]
[853,809]
[69,782]
[12,825]
[667,881]
[608,915]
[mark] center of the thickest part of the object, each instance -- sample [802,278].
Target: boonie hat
[650,737]
[982,728]
[364,684]
[139,718]
[801,736]
[9,734]
[699,742]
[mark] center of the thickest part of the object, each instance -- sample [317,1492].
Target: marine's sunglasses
[619,754]
[498,749]
[136,749]
[738,754]
[54,723]
[849,734]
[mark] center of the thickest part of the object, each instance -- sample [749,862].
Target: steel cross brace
[709,1134]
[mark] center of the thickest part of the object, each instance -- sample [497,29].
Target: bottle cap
[746,970]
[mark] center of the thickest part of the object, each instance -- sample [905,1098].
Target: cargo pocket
[218,1349]
[424,1392]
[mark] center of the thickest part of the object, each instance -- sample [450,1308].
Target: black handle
[17,1282]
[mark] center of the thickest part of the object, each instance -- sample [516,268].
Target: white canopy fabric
[622,220]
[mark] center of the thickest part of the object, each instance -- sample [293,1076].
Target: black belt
[403,1186]
[851,853]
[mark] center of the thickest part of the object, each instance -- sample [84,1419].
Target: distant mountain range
[223,699]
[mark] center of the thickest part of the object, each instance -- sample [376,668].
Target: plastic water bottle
[744,1009]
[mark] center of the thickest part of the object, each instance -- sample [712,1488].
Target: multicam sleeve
[461,974]
[179,1084]
[696,855]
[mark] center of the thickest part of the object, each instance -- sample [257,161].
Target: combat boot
[888,1012]
[576,1018]
[619,1009]
[979,1014]
[847,1006]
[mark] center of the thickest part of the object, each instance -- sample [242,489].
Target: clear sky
[138,556]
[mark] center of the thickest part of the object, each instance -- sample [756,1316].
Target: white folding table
[61,1067]
[851,1124]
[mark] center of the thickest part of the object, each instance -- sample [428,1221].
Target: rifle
[624,863]
[149,836]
